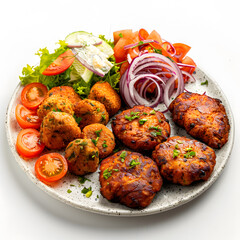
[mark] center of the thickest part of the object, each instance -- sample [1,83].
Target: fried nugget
[184,161]
[203,117]
[104,93]
[141,128]
[130,179]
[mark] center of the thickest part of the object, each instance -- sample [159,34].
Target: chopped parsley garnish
[134,163]
[82,179]
[180,142]
[142,121]
[139,44]
[123,156]
[116,170]
[98,109]
[107,173]
[205,83]
[87,191]
[133,116]
[69,191]
[153,112]
[189,153]
[95,141]
[83,143]
[176,146]
[120,35]
[98,132]
[188,149]
[77,119]
[104,144]
[154,127]
[103,117]
[70,145]
[71,156]
[155,134]
[175,153]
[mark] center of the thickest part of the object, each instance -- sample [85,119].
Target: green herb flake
[116,170]
[77,119]
[87,191]
[190,154]
[95,141]
[98,109]
[69,191]
[83,143]
[82,179]
[98,132]
[176,146]
[123,156]
[70,145]
[134,163]
[205,83]
[142,121]
[107,173]
[120,35]
[71,156]
[153,112]
[180,142]
[175,153]
[104,144]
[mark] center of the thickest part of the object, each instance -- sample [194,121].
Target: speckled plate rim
[126,211]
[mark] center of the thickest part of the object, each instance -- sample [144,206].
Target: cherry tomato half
[33,94]
[51,167]
[61,64]
[27,118]
[28,143]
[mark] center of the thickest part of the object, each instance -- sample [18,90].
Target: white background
[211,28]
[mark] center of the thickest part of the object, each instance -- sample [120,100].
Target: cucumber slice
[87,38]
[80,71]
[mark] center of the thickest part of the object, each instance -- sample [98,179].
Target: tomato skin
[181,50]
[61,64]
[28,143]
[143,34]
[51,167]
[33,95]
[27,118]
[122,33]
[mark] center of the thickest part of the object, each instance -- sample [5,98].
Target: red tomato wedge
[143,34]
[154,35]
[61,64]
[33,94]
[120,34]
[119,53]
[51,167]
[181,50]
[27,118]
[28,143]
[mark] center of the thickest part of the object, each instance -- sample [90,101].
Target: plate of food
[127,127]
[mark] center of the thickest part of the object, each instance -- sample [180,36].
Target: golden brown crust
[91,111]
[137,135]
[101,136]
[203,117]
[183,161]
[58,129]
[133,185]
[66,92]
[54,103]
[82,156]
[104,93]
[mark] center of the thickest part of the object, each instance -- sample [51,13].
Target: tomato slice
[126,33]
[181,50]
[143,34]
[51,167]
[61,64]
[27,118]
[28,143]
[33,94]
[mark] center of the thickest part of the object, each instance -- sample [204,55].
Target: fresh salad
[141,66]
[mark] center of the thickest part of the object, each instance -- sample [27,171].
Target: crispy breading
[130,179]
[91,111]
[203,117]
[183,161]
[104,93]
[54,103]
[101,136]
[58,129]
[141,128]
[82,156]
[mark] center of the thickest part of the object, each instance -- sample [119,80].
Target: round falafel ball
[58,129]
[82,156]
[54,103]
[91,111]
[104,93]
[101,136]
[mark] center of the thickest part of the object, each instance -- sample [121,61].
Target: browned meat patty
[82,156]
[203,117]
[141,128]
[183,161]
[58,129]
[130,179]
[101,136]
[104,93]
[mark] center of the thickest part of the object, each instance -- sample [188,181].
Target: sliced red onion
[139,72]
[139,43]
[191,77]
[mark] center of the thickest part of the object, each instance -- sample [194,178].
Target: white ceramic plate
[170,195]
